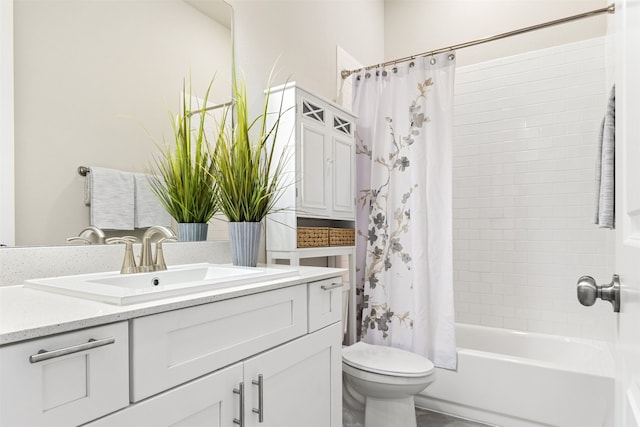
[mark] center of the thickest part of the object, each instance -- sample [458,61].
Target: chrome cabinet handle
[331,286]
[260,410]
[240,391]
[588,291]
[52,354]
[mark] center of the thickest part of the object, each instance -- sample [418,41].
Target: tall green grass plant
[246,166]
[183,177]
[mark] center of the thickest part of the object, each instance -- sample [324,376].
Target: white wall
[91,79]
[416,26]
[525,141]
[302,37]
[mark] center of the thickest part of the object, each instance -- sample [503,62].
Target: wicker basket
[313,237]
[342,237]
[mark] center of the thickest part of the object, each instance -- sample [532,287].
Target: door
[297,384]
[312,167]
[343,174]
[312,153]
[628,212]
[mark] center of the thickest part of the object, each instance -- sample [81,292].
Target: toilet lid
[386,360]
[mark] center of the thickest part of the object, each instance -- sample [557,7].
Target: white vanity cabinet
[247,361]
[65,380]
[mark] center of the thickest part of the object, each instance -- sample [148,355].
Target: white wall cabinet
[319,136]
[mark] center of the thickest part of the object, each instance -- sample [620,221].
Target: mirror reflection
[95,82]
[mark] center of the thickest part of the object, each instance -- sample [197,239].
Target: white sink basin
[124,289]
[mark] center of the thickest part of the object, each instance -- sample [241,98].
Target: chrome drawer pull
[46,355]
[331,286]
[240,391]
[260,410]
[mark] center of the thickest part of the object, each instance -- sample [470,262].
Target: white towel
[605,167]
[148,210]
[111,198]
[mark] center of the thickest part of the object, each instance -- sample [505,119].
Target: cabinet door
[66,379]
[313,183]
[301,382]
[208,401]
[343,172]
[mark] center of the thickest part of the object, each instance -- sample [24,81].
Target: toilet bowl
[379,385]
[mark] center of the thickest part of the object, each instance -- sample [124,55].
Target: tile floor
[435,419]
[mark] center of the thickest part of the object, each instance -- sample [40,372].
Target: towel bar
[83,170]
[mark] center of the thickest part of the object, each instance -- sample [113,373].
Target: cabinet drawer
[66,379]
[171,348]
[325,303]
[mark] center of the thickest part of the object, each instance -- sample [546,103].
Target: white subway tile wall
[524,153]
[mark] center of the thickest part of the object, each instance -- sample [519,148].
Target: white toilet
[379,383]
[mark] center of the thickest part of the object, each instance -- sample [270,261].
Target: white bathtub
[520,379]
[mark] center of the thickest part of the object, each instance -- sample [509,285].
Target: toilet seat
[386,360]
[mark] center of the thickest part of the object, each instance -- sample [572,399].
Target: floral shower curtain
[404,260]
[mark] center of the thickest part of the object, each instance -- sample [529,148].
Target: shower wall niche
[525,140]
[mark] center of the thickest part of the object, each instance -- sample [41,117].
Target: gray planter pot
[192,231]
[245,242]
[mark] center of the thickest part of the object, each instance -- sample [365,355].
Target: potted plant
[247,170]
[182,179]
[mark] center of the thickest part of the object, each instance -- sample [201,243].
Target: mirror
[95,83]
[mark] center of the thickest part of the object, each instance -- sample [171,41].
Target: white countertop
[30,313]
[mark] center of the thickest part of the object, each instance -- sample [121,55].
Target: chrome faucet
[147,260]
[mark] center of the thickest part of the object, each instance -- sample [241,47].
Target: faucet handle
[131,239]
[129,261]
[78,239]
[158,262]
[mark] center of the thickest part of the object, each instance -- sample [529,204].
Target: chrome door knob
[589,291]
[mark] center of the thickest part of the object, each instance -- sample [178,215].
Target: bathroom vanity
[265,353]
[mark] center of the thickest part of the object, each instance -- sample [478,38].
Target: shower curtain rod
[609,9]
